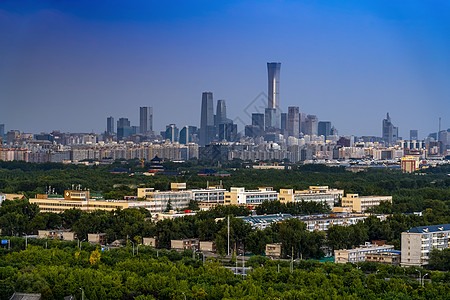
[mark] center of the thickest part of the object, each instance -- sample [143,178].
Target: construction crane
[142,162]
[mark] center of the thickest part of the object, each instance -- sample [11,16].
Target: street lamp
[423,278]
[184,295]
[82,294]
[133,246]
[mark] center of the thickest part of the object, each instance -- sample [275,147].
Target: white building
[359,254]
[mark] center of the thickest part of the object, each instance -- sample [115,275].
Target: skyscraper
[110,125]
[414,135]
[207,129]
[272,112]
[221,112]
[311,125]
[389,131]
[124,129]
[293,121]
[273,93]
[146,120]
[171,133]
[283,124]
[324,128]
[2,131]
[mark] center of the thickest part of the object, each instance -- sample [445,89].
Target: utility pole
[228,236]
[292,260]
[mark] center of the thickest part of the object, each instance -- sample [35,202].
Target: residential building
[362,203]
[417,243]
[147,241]
[359,254]
[385,257]
[410,163]
[110,125]
[192,244]
[97,238]
[207,246]
[210,197]
[159,201]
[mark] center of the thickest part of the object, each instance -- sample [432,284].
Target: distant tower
[185,135]
[293,121]
[324,128]
[389,131]
[207,129]
[273,71]
[311,125]
[221,112]
[172,133]
[146,120]
[110,125]
[124,129]
[413,134]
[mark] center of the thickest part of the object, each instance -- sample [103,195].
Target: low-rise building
[184,244]
[410,163]
[323,222]
[385,257]
[273,250]
[418,242]
[159,200]
[262,222]
[208,246]
[97,238]
[149,241]
[48,234]
[359,254]
[362,203]
[240,196]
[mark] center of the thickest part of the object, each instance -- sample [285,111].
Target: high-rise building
[273,94]
[124,129]
[324,128]
[185,135]
[171,133]
[311,125]
[389,131]
[221,112]
[227,131]
[110,125]
[272,112]
[146,120]
[413,134]
[302,119]
[293,121]
[207,129]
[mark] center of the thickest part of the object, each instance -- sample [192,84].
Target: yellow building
[361,204]
[410,164]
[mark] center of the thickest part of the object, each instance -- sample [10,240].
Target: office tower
[273,93]
[413,134]
[258,120]
[389,131]
[110,125]
[146,120]
[207,130]
[311,125]
[227,132]
[171,133]
[324,128]
[293,121]
[283,124]
[2,131]
[221,112]
[124,129]
[185,135]
[302,119]
[272,112]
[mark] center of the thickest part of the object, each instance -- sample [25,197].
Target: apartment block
[192,244]
[240,196]
[418,242]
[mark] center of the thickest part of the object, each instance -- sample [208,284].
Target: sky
[68,65]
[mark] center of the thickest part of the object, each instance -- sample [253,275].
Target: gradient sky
[67,65]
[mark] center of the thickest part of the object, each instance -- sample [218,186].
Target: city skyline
[349,63]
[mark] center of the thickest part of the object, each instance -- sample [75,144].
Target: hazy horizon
[68,65]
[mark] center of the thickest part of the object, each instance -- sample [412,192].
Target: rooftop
[429,229]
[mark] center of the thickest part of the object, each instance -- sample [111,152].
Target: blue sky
[68,65]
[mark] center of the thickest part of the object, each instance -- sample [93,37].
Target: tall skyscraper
[207,129]
[2,131]
[272,112]
[124,129]
[273,93]
[293,121]
[221,112]
[283,124]
[110,125]
[146,120]
[324,128]
[389,131]
[185,135]
[414,135]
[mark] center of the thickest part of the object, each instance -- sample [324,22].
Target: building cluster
[179,198]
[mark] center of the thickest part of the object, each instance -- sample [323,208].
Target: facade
[323,222]
[258,121]
[221,113]
[124,129]
[410,164]
[311,125]
[413,134]
[147,241]
[272,119]
[293,121]
[239,196]
[418,242]
[210,197]
[262,222]
[324,128]
[207,129]
[192,244]
[362,203]
[158,201]
[97,238]
[171,133]
[315,193]
[359,254]
[146,120]
[207,246]
[389,131]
